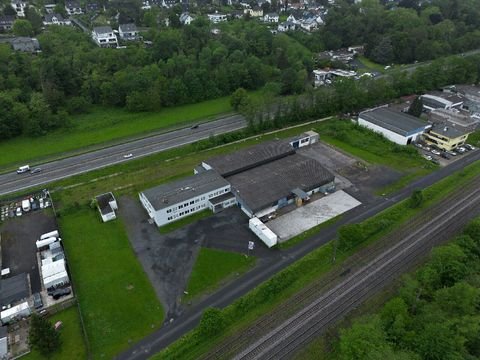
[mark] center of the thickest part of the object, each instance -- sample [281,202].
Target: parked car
[435,152]
[420,146]
[435,161]
[428,157]
[37,301]
[461,150]
[427,148]
[19,211]
[445,155]
[58,293]
[453,153]
[470,147]
[36,171]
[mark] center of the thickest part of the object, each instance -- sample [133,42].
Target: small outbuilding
[107,204]
[396,126]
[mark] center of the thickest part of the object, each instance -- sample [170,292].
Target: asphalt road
[78,164]
[175,328]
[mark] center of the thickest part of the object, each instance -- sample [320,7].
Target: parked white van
[23,169]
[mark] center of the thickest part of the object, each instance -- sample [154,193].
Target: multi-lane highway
[78,164]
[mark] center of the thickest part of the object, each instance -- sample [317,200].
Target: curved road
[78,164]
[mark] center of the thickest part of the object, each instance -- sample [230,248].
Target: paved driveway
[168,259]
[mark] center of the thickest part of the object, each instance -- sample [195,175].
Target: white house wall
[390,135]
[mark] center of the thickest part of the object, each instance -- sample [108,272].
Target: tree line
[435,315]
[414,30]
[185,65]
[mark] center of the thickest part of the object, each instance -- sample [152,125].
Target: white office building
[169,202]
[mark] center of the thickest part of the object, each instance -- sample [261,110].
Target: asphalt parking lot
[426,151]
[18,236]
[351,174]
[168,258]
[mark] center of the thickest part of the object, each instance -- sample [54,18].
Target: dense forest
[436,315]
[401,35]
[190,64]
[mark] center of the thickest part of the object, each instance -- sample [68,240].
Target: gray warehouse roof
[264,185]
[245,159]
[398,122]
[168,194]
[13,289]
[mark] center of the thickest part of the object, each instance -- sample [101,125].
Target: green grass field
[117,301]
[371,65]
[214,267]
[73,345]
[103,125]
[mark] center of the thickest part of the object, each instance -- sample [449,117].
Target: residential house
[309,24]
[271,18]
[19,6]
[237,14]
[49,8]
[291,18]
[186,18]
[169,3]
[256,11]
[146,5]
[446,137]
[107,204]
[73,7]
[25,44]
[287,26]
[217,18]
[128,32]
[92,7]
[6,22]
[55,19]
[104,36]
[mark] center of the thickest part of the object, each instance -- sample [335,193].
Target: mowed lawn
[117,301]
[73,345]
[370,146]
[103,125]
[214,266]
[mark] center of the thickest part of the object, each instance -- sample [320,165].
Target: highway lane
[78,164]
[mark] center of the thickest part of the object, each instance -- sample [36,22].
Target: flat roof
[168,194]
[396,121]
[13,289]
[264,185]
[245,159]
[448,96]
[448,131]
[450,116]
[103,202]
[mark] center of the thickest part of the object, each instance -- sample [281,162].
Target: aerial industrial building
[259,179]
[396,126]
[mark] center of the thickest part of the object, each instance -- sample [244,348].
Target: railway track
[405,247]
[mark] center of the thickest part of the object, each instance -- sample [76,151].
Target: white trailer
[45,242]
[15,312]
[263,232]
[53,233]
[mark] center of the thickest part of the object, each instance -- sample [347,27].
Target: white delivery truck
[23,169]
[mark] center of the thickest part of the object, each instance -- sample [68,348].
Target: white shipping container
[45,242]
[53,233]
[264,233]
[18,311]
